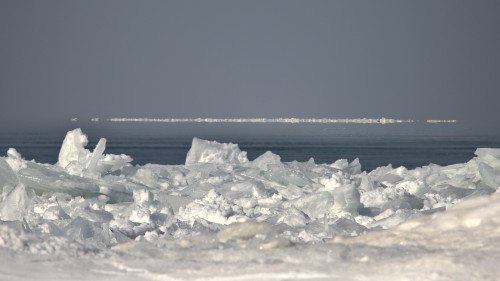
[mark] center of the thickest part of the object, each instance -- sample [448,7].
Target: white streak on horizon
[95,119]
[441,121]
[265,120]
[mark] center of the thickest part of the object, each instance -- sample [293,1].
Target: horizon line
[381,120]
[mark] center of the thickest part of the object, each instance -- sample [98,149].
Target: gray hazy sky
[228,59]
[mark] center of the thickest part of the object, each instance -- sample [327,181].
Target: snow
[223,217]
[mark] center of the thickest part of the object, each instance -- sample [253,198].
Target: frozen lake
[220,213]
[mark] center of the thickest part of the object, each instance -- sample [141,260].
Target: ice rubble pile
[91,200]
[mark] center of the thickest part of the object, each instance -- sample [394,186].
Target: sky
[397,59]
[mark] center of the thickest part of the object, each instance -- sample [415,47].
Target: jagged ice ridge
[222,208]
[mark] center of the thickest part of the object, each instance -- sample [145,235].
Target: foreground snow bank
[221,207]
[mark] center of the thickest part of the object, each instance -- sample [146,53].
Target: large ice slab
[73,149]
[203,151]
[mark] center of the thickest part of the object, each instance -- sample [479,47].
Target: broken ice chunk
[315,205]
[12,153]
[16,205]
[7,175]
[490,176]
[268,158]
[73,148]
[346,198]
[50,179]
[80,229]
[203,151]
[345,193]
[16,162]
[143,197]
[483,152]
[294,217]
[55,213]
[112,162]
[213,208]
[140,215]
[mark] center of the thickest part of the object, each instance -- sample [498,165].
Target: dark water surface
[372,152]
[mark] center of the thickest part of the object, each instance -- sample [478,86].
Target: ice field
[95,216]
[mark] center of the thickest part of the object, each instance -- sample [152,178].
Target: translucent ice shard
[315,205]
[7,175]
[96,154]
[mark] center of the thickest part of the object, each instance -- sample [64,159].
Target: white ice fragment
[294,217]
[213,208]
[47,178]
[271,202]
[12,153]
[346,199]
[263,161]
[151,236]
[73,148]
[142,197]
[336,180]
[81,229]
[8,175]
[112,162]
[16,205]
[287,174]
[55,213]
[366,183]
[414,187]
[340,164]
[259,191]
[483,152]
[203,151]
[345,194]
[490,176]
[315,205]
[140,215]
[16,162]
[352,168]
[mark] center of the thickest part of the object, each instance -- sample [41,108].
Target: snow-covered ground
[94,216]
